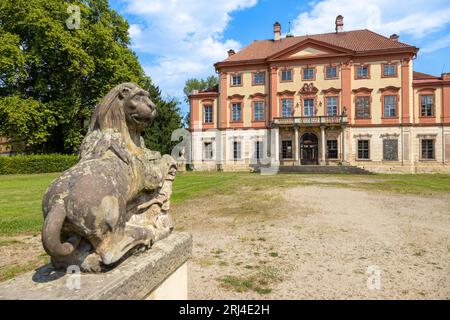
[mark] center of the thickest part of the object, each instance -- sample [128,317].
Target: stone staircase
[323,169]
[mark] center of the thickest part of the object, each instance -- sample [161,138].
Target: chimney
[231,52]
[339,23]
[276,31]
[446,76]
[394,37]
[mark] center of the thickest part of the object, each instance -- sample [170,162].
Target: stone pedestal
[157,274]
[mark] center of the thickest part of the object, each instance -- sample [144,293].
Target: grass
[21,195]
[259,282]
[20,202]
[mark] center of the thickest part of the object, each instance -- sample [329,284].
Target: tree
[168,118]
[64,71]
[197,84]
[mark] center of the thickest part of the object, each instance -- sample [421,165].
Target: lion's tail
[51,232]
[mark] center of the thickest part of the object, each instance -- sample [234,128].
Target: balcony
[310,121]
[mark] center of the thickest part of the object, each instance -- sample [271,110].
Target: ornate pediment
[236,97]
[390,88]
[308,88]
[331,91]
[286,93]
[362,90]
[258,95]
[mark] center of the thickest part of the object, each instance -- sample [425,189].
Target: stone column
[296,145]
[344,157]
[275,145]
[322,145]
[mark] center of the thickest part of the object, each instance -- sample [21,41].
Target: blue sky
[180,39]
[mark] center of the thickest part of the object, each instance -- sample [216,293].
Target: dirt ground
[305,242]
[314,242]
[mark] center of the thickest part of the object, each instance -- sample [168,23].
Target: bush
[36,163]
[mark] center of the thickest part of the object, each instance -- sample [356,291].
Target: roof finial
[289,34]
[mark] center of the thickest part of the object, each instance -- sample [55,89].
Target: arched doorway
[309,149]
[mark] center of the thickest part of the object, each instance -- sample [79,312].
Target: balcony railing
[310,121]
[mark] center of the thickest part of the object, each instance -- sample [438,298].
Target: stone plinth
[159,273]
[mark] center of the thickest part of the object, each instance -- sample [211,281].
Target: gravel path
[318,243]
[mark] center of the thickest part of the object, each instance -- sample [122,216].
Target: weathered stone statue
[116,198]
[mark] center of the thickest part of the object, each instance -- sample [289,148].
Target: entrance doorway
[309,149]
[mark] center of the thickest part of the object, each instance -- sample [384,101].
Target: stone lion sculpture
[116,198]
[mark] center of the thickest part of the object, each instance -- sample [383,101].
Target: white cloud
[184,36]
[437,45]
[414,18]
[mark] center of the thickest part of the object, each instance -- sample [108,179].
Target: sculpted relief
[115,200]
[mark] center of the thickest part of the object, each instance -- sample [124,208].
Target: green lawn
[20,195]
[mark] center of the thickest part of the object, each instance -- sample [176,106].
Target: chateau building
[347,97]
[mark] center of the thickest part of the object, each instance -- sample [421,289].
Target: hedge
[27,164]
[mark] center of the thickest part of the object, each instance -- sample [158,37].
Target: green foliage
[158,136]
[63,72]
[36,163]
[25,121]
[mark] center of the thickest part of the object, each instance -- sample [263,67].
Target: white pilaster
[322,144]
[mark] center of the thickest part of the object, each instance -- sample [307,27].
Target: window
[258,150]
[332,106]
[286,148]
[308,73]
[208,114]
[363,150]
[286,75]
[258,111]
[258,78]
[236,80]
[286,108]
[427,106]
[208,150]
[363,107]
[390,150]
[236,112]
[428,149]
[362,72]
[308,107]
[389,70]
[236,150]
[332,149]
[390,106]
[330,72]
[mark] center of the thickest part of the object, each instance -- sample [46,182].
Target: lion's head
[126,108]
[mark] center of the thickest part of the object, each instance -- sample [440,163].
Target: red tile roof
[357,41]
[424,76]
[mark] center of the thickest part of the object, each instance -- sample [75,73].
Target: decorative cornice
[257,95]
[286,93]
[389,135]
[426,89]
[361,136]
[390,88]
[331,90]
[236,97]
[362,90]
